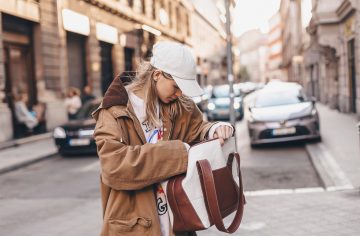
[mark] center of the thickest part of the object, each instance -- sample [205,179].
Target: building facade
[47,46]
[254,55]
[332,61]
[275,46]
[209,41]
[290,12]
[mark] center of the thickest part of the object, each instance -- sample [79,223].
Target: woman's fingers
[223,132]
[221,141]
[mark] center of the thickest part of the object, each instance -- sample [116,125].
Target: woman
[73,102]
[143,132]
[23,114]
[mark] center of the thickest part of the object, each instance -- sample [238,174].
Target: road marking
[273,192]
[269,192]
[328,169]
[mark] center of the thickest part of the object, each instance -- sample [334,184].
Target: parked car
[202,101]
[282,112]
[76,136]
[218,107]
[248,87]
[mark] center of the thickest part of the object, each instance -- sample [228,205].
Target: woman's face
[166,88]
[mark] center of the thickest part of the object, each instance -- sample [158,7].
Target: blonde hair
[144,81]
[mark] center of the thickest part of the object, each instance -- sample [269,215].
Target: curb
[26,163]
[330,173]
[17,142]
[16,153]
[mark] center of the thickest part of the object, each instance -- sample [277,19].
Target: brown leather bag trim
[227,202]
[185,217]
[208,186]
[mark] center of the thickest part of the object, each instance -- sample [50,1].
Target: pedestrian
[143,132]
[23,114]
[72,102]
[87,95]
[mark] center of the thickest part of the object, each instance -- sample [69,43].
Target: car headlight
[211,106]
[59,133]
[236,105]
[313,112]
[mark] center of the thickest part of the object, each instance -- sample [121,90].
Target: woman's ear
[156,75]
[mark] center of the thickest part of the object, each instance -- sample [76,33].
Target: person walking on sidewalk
[143,132]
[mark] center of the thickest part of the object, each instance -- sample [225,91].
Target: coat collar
[116,95]
[116,100]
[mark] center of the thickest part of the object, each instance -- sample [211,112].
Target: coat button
[165,129]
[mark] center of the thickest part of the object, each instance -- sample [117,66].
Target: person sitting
[72,102]
[23,115]
[87,95]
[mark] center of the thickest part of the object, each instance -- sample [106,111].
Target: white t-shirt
[72,104]
[152,135]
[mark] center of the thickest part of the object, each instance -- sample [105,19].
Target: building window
[130,3]
[163,15]
[178,19]
[187,25]
[154,9]
[143,7]
[170,15]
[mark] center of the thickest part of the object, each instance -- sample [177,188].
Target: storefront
[19,65]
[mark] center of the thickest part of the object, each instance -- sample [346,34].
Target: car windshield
[86,110]
[223,92]
[279,98]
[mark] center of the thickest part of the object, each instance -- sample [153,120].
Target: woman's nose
[178,93]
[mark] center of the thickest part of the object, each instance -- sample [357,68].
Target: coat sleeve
[126,167]
[197,129]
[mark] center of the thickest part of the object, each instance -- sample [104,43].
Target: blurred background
[284,72]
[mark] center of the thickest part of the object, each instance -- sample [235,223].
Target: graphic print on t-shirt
[160,200]
[146,126]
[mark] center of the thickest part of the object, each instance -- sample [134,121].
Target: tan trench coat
[130,166]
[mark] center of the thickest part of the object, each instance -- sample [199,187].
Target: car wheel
[62,154]
[316,140]
[254,145]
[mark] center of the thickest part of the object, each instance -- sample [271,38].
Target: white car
[282,112]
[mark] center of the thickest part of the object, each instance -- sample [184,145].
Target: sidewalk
[337,157]
[17,153]
[315,214]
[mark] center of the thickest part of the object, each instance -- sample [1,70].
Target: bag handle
[209,191]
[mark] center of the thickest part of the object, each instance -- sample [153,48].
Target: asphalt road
[57,196]
[274,166]
[60,196]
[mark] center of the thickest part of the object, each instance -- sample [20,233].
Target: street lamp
[229,61]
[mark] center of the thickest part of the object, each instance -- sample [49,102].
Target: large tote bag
[209,191]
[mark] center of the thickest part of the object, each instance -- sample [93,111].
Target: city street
[63,192]
[57,196]
[279,166]
[77,75]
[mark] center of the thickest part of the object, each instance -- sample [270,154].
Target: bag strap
[209,191]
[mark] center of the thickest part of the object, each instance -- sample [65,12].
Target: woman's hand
[223,132]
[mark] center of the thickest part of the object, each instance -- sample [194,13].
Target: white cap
[176,59]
